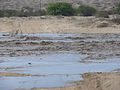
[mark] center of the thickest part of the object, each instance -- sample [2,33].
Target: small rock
[29,63]
[43,17]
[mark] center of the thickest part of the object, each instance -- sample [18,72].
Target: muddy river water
[54,60]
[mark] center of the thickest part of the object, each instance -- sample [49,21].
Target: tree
[60,8]
[86,10]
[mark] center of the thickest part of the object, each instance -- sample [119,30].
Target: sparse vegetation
[8,13]
[39,13]
[116,20]
[60,8]
[118,8]
[103,24]
[102,14]
[24,12]
[27,11]
[86,10]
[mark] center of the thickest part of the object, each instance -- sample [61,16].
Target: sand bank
[58,24]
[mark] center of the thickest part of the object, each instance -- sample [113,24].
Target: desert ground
[59,53]
[53,24]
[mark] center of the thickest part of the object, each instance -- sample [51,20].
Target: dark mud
[97,46]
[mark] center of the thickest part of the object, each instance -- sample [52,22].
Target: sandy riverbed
[59,61]
[93,81]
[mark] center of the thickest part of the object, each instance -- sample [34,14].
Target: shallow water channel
[55,70]
[50,70]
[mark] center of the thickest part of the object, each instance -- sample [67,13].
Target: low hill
[18,4]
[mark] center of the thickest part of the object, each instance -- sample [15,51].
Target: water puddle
[53,70]
[61,37]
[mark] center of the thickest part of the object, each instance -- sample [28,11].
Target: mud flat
[96,46]
[59,61]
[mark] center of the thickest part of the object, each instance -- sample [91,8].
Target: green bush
[116,20]
[86,10]
[118,8]
[8,13]
[11,13]
[1,13]
[60,8]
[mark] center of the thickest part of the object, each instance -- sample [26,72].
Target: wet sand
[96,46]
[93,81]
[15,75]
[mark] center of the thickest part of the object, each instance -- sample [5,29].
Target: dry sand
[59,24]
[93,81]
